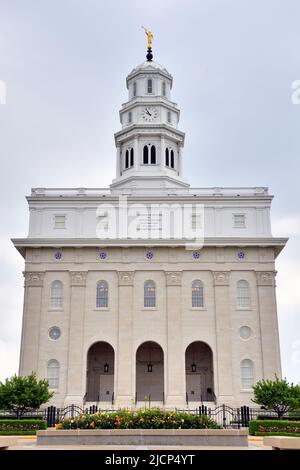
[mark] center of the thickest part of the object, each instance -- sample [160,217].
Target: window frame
[240,297]
[150,298]
[102,301]
[54,386]
[239,223]
[195,298]
[149,87]
[247,381]
[56,222]
[56,301]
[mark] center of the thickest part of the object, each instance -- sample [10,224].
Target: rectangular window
[129,117]
[59,221]
[239,220]
[196,222]
[169,117]
[134,88]
[149,86]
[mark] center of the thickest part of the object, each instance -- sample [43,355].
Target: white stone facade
[211,328]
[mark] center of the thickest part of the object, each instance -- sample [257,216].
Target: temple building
[118,317]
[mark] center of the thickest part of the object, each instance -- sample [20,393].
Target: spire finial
[149,34]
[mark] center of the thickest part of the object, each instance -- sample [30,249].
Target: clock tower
[149,145]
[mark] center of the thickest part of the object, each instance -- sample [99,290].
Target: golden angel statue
[149,36]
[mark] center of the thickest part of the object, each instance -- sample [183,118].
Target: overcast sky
[64,64]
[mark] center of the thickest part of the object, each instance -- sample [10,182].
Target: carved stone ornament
[34,279]
[78,278]
[173,278]
[221,278]
[126,278]
[266,278]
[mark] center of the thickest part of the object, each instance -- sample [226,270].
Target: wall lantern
[106,368]
[194,367]
[149,367]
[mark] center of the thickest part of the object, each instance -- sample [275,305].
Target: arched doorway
[150,372]
[100,372]
[199,372]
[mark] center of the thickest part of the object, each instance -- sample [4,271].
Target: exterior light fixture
[194,367]
[106,368]
[149,367]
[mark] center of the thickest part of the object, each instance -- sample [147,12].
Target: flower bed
[141,419]
[274,428]
[21,426]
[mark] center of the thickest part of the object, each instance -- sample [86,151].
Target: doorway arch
[199,372]
[149,372]
[100,372]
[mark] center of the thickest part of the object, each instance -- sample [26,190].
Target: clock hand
[148,112]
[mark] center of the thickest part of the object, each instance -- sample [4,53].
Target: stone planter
[161,437]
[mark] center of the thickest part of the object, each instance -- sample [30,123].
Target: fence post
[238,418]
[224,416]
[51,415]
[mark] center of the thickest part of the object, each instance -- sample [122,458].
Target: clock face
[149,114]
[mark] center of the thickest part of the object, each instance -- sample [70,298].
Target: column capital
[34,279]
[265,278]
[221,278]
[126,278]
[78,278]
[173,278]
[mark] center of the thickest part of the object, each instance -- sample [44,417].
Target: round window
[245,332]
[196,255]
[102,255]
[54,332]
[149,255]
[58,255]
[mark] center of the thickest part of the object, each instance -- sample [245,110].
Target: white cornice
[22,243]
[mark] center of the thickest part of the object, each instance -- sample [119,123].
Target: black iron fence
[224,415]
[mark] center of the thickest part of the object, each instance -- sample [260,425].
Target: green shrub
[140,419]
[271,418]
[21,426]
[257,428]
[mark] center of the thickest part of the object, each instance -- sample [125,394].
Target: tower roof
[149,67]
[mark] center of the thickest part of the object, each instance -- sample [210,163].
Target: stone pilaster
[34,282]
[174,362]
[268,324]
[76,361]
[125,389]
[223,360]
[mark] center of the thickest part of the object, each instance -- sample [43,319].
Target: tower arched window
[167,157]
[169,117]
[53,373]
[127,159]
[197,294]
[172,164]
[153,155]
[149,294]
[163,88]
[145,155]
[134,89]
[149,85]
[56,294]
[130,117]
[247,373]
[102,295]
[243,294]
[131,157]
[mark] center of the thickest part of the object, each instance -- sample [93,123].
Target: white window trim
[54,220]
[101,309]
[234,215]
